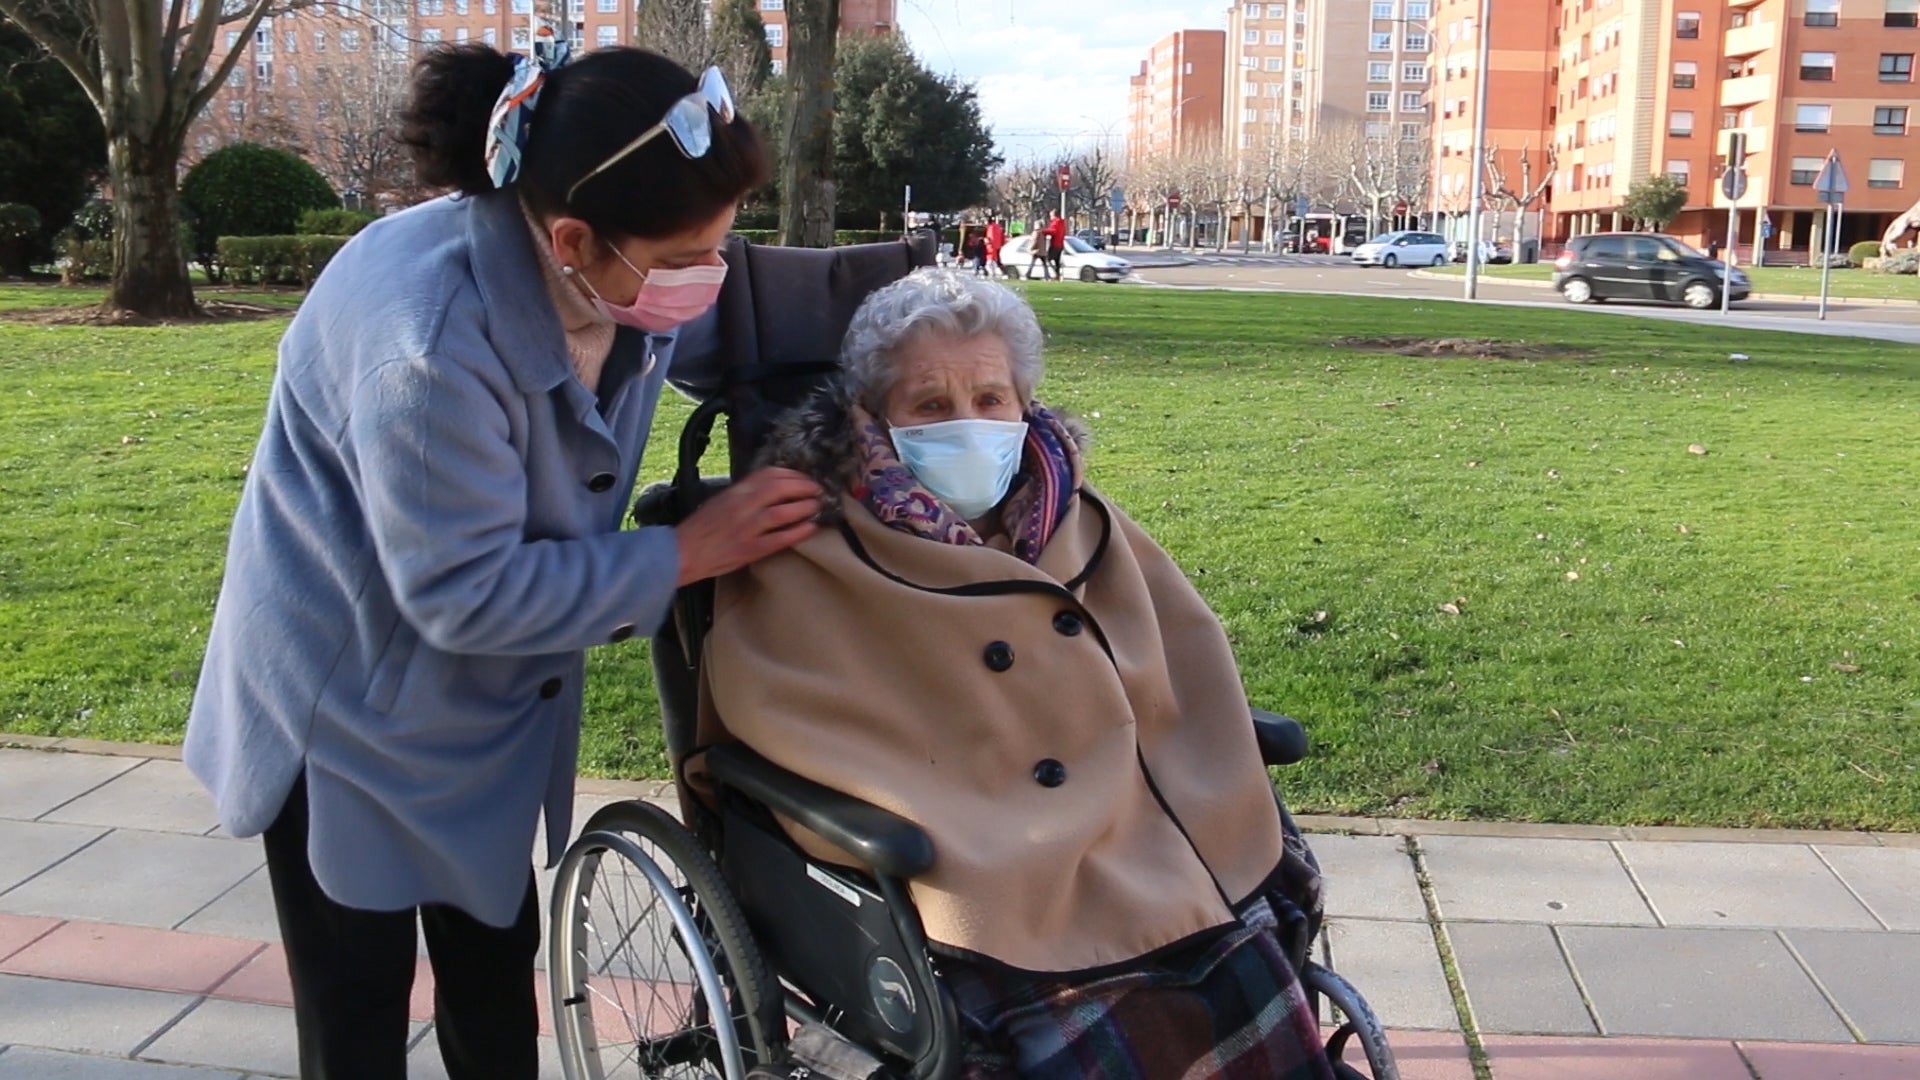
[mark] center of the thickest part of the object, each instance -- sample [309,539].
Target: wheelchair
[705,949]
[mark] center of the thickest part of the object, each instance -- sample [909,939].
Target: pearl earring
[567,270]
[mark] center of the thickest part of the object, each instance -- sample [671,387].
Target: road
[1337,276]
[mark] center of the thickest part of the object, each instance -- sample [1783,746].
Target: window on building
[1823,12]
[292,109]
[1276,11]
[461,33]
[1414,72]
[319,41]
[773,5]
[606,35]
[1252,37]
[462,7]
[1890,120]
[490,36]
[236,109]
[1680,124]
[1902,14]
[1275,63]
[1380,42]
[322,109]
[1419,9]
[608,7]
[237,77]
[1253,11]
[1412,101]
[489,7]
[204,144]
[1685,74]
[778,66]
[292,73]
[1813,119]
[1188,70]
[520,37]
[349,41]
[1896,67]
[1729,119]
[1412,132]
[1383,9]
[1379,101]
[1276,37]
[522,7]
[776,36]
[1886,172]
[432,37]
[1379,71]
[1681,171]
[1250,116]
[233,39]
[1686,24]
[1416,41]
[1816,66]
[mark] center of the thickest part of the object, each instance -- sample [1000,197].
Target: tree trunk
[807,182]
[149,268]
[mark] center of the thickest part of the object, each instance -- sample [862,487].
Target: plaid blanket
[1230,1009]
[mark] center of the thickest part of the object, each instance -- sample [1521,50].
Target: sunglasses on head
[689,122]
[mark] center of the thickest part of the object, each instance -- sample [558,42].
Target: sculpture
[1898,232]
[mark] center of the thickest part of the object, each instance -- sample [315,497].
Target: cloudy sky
[1051,73]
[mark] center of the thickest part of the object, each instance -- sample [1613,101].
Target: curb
[1313,823]
[1785,298]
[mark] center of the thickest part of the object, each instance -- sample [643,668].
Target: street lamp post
[1478,188]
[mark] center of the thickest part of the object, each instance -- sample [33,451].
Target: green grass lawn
[1778,280]
[1645,635]
[34,297]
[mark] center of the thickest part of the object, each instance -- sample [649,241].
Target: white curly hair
[940,303]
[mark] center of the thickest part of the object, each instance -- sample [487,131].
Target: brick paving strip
[137,941]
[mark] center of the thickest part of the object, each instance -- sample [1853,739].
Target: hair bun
[444,124]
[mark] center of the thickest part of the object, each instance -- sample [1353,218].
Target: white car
[1403,249]
[1081,260]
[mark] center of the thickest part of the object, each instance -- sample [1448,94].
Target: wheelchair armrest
[888,843]
[1282,740]
[658,503]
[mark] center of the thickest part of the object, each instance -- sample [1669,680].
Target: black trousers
[352,973]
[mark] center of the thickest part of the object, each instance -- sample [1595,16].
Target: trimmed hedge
[333,222]
[277,260]
[1859,253]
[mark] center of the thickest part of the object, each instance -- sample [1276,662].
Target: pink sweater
[589,333]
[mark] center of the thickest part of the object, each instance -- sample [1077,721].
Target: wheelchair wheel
[1359,1022]
[652,970]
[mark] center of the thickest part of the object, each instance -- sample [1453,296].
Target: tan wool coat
[1072,735]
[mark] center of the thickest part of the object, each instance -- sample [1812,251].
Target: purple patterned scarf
[1050,473]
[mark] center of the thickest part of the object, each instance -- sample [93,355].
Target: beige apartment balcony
[1746,90]
[1752,39]
[1756,140]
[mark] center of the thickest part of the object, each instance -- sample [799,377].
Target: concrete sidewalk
[138,943]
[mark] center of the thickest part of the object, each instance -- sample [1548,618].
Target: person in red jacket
[996,241]
[1056,243]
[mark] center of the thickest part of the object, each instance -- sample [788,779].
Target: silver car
[1403,249]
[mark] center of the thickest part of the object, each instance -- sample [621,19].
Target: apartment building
[1305,69]
[1624,89]
[1174,103]
[325,79]
[1521,85]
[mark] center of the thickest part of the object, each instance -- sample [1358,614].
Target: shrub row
[277,260]
[841,237]
[333,222]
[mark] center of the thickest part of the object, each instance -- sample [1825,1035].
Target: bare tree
[676,29]
[145,66]
[1522,198]
[356,110]
[806,175]
[1096,172]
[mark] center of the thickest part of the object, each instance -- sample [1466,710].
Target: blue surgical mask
[968,464]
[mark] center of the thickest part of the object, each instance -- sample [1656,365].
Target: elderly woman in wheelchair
[975,763]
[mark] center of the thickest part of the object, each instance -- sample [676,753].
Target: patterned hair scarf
[511,123]
[1050,473]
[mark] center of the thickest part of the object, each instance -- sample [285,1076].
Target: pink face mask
[667,299]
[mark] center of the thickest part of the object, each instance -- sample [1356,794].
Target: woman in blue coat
[429,535]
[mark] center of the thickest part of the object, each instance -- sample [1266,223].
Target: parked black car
[1643,266]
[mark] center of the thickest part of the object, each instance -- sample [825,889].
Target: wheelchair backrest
[782,315]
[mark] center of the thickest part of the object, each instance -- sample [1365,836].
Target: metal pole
[1726,264]
[1829,241]
[1479,190]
